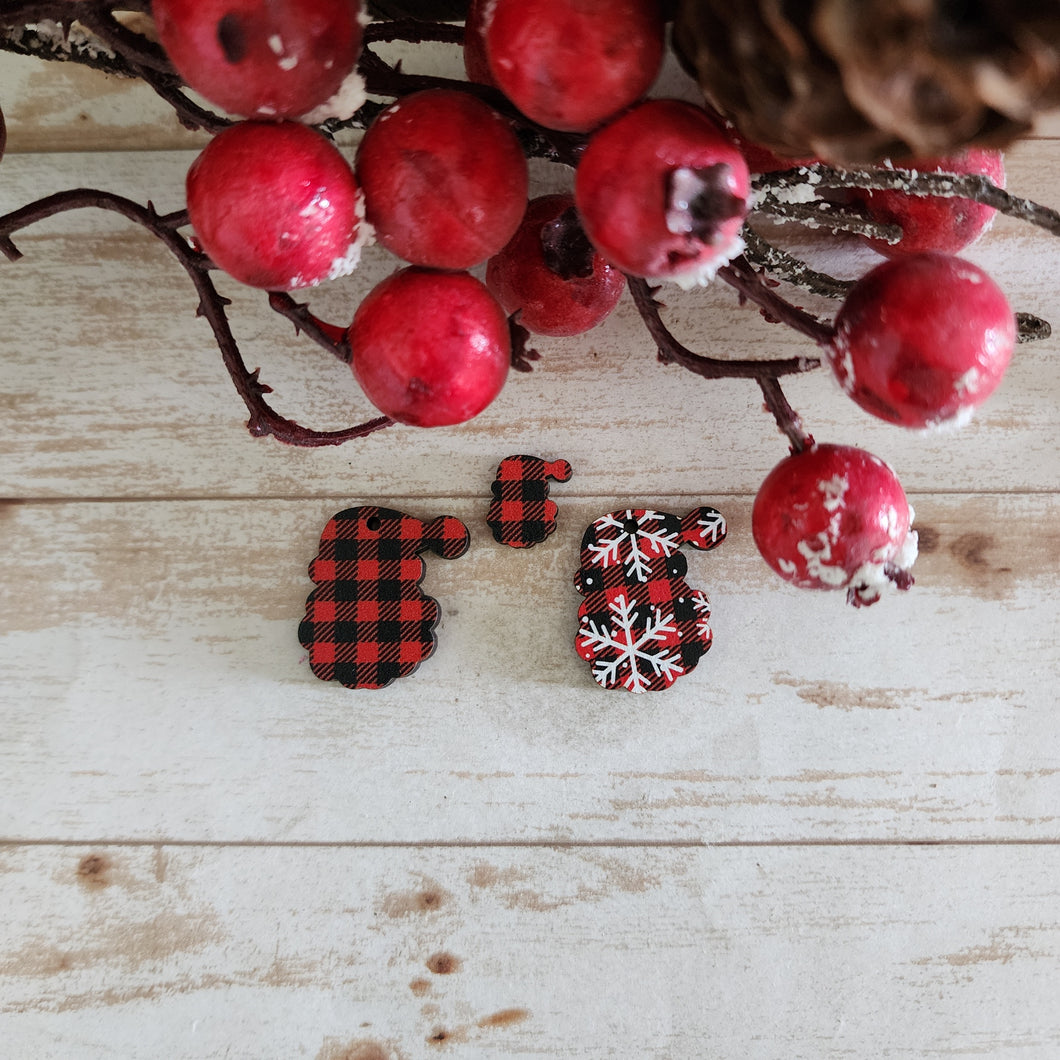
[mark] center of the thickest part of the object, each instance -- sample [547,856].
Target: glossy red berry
[276,206]
[835,517]
[945,224]
[550,273]
[922,340]
[444,178]
[262,58]
[662,193]
[572,65]
[430,348]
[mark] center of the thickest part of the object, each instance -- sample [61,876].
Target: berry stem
[739,273]
[1030,328]
[671,351]
[793,270]
[413,31]
[523,354]
[817,213]
[788,420]
[264,420]
[973,186]
[137,50]
[330,337]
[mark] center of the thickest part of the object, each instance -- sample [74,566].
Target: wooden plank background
[838,837]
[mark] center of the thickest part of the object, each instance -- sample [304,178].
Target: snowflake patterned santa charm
[520,514]
[641,625]
[368,621]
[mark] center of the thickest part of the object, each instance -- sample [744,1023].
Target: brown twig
[820,214]
[671,351]
[328,336]
[944,185]
[788,420]
[133,47]
[739,273]
[264,420]
[779,263]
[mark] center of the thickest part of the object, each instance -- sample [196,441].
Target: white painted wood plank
[111,387]
[394,954]
[154,688]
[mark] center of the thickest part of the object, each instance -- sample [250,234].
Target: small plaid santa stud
[520,514]
[641,625]
[368,621]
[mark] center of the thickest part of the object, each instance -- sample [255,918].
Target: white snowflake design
[649,540]
[634,652]
[712,527]
[701,605]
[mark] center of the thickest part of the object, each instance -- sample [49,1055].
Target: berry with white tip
[922,340]
[276,205]
[663,192]
[836,517]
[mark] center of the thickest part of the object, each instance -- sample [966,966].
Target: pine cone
[856,81]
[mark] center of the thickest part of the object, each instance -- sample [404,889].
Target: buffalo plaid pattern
[520,514]
[629,600]
[368,621]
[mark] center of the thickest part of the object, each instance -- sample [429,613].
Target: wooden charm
[520,514]
[368,621]
[641,625]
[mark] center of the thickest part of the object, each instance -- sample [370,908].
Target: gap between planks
[516,844]
[460,495]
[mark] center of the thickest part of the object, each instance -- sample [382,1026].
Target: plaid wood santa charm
[520,514]
[641,625]
[368,621]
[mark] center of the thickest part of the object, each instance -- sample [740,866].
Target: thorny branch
[264,420]
[104,42]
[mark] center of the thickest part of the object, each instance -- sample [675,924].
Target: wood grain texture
[163,694]
[369,954]
[839,837]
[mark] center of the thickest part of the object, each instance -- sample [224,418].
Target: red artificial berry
[476,65]
[430,348]
[571,65]
[662,193]
[945,224]
[262,58]
[276,206]
[550,273]
[835,517]
[444,178]
[922,340]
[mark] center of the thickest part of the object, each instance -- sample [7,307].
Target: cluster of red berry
[661,192]
[441,181]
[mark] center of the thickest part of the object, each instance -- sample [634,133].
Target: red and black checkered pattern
[368,621]
[520,514]
[641,625]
